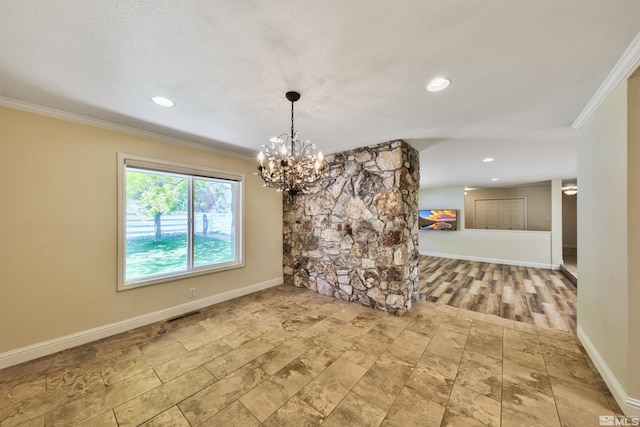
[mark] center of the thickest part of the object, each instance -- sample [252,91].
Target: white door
[493,214]
[512,214]
[480,214]
[505,214]
[517,214]
[486,214]
[500,214]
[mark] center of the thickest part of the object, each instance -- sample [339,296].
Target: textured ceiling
[522,71]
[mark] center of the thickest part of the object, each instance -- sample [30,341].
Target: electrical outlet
[192,292]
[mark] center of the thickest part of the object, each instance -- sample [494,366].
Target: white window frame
[130,160]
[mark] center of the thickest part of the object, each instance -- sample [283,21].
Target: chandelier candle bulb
[261,157]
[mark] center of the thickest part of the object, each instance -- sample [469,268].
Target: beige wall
[633,219]
[58,225]
[569,221]
[514,247]
[603,318]
[538,204]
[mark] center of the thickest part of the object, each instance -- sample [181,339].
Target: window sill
[154,280]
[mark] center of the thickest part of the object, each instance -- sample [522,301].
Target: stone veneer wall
[355,237]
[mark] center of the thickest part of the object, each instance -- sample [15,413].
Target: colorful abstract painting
[438,219]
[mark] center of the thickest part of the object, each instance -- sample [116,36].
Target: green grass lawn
[145,257]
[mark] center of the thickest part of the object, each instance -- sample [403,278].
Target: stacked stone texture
[355,236]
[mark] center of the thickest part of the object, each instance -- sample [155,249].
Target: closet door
[512,214]
[493,214]
[480,214]
[504,207]
[486,214]
[517,214]
[500,214]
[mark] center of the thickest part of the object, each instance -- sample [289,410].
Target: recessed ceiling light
[488,159]
[438,84]
[495,179]
[161,100]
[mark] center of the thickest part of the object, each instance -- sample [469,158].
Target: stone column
[355,237]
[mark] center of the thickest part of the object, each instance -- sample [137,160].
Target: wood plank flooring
[570,264]
[536,296]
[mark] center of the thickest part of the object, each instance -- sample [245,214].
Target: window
[176,220]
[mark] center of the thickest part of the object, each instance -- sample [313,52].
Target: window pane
[175,221]
[214,227]
[156,224]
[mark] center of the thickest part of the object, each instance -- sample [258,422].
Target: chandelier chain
[292,133]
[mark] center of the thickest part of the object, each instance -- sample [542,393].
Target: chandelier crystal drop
[288,163]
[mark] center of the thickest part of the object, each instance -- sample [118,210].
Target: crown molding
[103,124]
[621,71]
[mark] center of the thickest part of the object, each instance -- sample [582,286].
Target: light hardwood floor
[532,295]
[290,357]
[570,264]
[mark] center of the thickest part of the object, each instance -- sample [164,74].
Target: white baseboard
[34,351]
[494,260]
[629,405]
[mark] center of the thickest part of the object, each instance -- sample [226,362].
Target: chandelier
[289,164]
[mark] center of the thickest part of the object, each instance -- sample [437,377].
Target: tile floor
[290,357]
